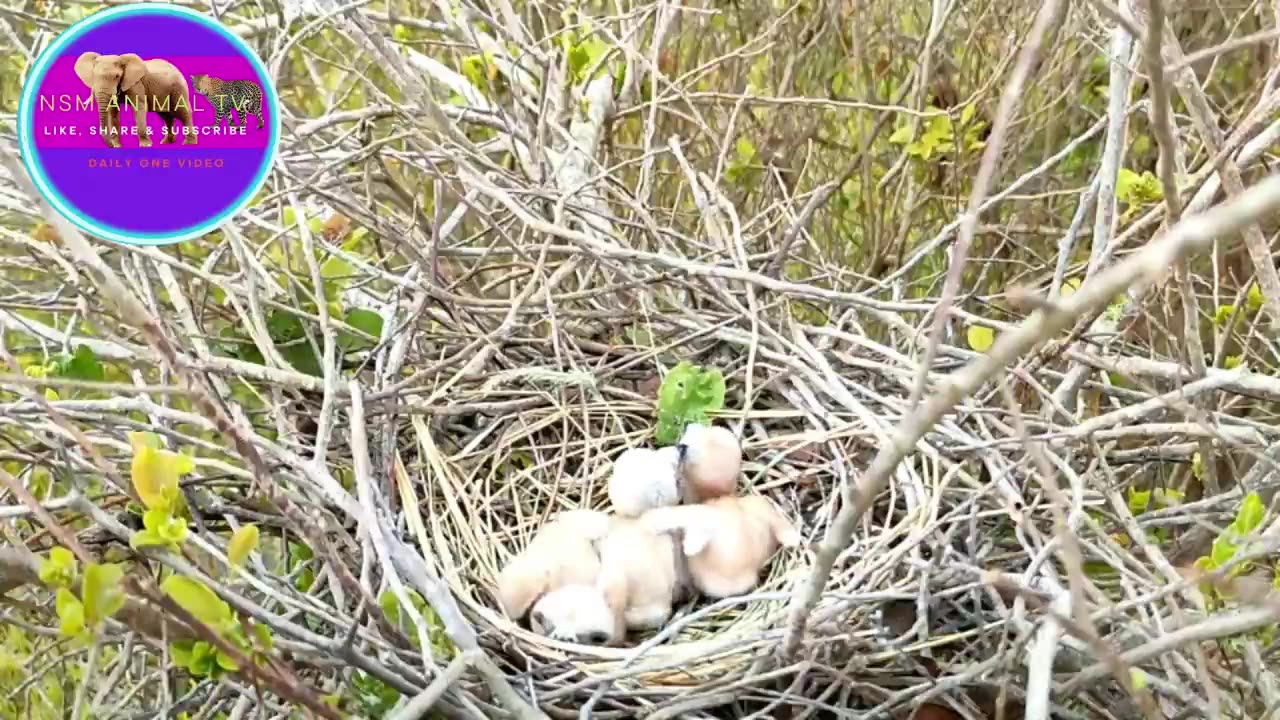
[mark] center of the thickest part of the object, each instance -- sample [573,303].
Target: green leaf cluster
[584,50]
[373,697]
[199,657]
[1249,518]
[1223,314]
[101,593]
[685,397]
[299,554]
[59,569]
[939,136]
[155,472]
[1137,190]
[744,166]
[82,364]
[1139,501]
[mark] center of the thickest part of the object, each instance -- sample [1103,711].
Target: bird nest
[806,437]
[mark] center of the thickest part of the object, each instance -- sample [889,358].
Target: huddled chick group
[677,528]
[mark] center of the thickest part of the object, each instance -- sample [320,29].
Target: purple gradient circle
[146,195]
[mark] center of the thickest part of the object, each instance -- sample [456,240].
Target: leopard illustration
[243,96]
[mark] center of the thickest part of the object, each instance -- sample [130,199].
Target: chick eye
[540,620]
[597,638]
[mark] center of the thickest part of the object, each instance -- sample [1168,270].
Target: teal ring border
[26,118]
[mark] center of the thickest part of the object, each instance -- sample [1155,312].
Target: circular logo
[148,124]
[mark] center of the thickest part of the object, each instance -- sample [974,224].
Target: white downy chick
[727,540]
[642,573]
[711,461]
[562,552]
[577,613]
[642,479]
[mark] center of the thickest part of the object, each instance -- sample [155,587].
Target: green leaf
[1139,500]
[182,652]
[364,320]
[1253,299]
[204,661]
[302,357]
[155,475]
[1222,552]
[197,599]
[103,592]
[1223,314]
[147,538]
[579,58]
[473,69]
[1136,189]
[59,569]
[746,150]
[1251,514]
[336,267]
[173,531]
[284,327]
[685,397]
[390,606]
[1138,679]
[226,662]
[668,430]
[980,338]
[967,113]
[263,633]
[243,542]
[1231,362]
[901,136]
[70,614]
[1169,497]
[82,365]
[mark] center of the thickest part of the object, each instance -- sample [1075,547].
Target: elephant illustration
[127,82]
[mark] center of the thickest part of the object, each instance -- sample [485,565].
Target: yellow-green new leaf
[242,543]
[980,338]
[1253,300]
[203,603]
[70,614]
[59,569]
[155,476]
[1138,679]
[103,592]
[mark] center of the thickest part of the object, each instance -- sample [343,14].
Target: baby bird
[711,460]
[727,540]
[561,553]
[578,613]
[643,573]
[642,479]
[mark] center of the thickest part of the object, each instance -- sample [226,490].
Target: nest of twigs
[811,417]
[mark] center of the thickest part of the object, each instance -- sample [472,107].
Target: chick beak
[682,456]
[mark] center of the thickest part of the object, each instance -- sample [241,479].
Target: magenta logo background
[165,192]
